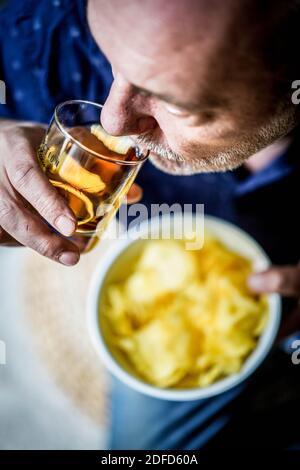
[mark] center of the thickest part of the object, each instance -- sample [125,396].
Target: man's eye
[144,93]
[173,109]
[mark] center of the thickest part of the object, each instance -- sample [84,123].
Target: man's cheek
[168,135]
[173,131]
[183,139]
[185,146]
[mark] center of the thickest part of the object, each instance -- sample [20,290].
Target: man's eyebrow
[205,102]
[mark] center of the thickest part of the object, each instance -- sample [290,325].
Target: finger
[134,194]
[27,178]
[283,280]
[7,240]
[29,230]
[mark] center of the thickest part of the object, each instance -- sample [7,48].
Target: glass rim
[88,150]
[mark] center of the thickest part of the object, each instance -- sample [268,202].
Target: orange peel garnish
[73,173]
[120,145]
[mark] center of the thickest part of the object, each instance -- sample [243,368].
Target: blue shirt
[48,56]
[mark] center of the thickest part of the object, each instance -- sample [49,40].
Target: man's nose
[125,113]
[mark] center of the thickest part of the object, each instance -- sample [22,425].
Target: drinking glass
[90,168]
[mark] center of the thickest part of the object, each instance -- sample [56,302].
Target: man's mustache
[160,150]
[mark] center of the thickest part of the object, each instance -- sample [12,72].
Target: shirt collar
[283,165]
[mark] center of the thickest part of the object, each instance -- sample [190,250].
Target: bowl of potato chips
[174,319]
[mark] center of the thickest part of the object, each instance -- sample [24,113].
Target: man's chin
[200,165]
[174,167]
[166,165]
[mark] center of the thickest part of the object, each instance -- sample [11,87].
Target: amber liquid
[93,187]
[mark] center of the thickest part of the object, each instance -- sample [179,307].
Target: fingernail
[65,225]
[69,258]
[256,282]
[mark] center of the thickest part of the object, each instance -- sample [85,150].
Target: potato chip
[181,318]
[162,268]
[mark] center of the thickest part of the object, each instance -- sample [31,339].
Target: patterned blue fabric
[48,56]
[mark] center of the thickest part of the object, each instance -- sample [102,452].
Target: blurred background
[52,388]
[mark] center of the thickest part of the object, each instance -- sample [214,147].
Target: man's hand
[286,282]
[28,200]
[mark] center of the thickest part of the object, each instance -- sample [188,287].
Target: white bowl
[235,239]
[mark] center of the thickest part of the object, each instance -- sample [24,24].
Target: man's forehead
[154,43]
[156,24]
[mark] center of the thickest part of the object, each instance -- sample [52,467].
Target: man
[206,85]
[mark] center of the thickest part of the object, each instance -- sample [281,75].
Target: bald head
[200,82]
